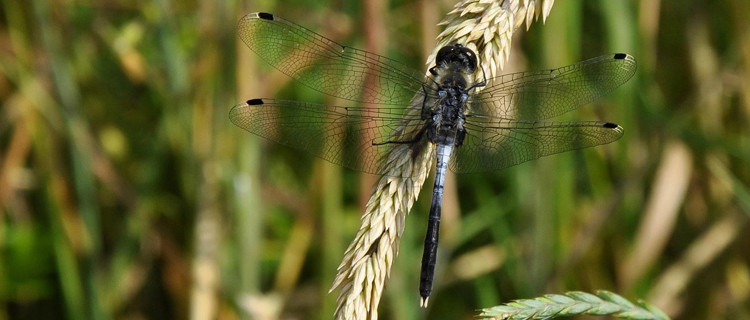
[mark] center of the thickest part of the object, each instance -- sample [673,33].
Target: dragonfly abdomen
[429,256]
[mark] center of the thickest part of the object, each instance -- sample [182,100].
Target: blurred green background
[127,193]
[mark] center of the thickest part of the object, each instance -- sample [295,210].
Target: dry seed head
[487,26]
[368,259]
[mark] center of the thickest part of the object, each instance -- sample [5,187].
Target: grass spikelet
[485,27]
[571,304]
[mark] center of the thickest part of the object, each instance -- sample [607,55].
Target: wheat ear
[485,27]
[367,262]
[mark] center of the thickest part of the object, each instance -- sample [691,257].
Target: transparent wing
[341,135]
[326,66]
[548,93]
[493,144]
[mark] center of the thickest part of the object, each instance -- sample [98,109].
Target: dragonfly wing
[327,66]
[346,136]
[493,144]
[545,94]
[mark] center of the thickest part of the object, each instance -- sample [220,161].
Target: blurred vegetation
[127,193]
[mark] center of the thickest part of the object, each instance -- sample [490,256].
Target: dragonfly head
[456,53]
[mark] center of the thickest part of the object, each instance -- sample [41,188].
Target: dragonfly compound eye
[457,53]
[444,55]
[470,59]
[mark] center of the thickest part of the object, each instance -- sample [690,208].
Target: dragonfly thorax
[448,114]
[453,68]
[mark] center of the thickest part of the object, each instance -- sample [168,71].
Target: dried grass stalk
[485,27]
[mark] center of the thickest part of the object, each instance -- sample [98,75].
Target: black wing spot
[255,102]
[265,16]
[610,125]
[620,56]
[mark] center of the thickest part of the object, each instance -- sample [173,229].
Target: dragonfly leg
[460,135]
[425,112]
[416,138]
[479,84]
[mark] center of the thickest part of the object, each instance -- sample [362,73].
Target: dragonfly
[475,126]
